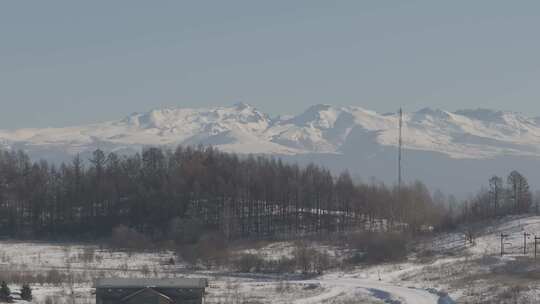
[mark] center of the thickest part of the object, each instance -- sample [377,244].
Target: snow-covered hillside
[323,129]
[442,268]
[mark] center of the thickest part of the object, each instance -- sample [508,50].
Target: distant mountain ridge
[241,128]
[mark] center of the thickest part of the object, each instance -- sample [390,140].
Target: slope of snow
[241,128]
[390,292]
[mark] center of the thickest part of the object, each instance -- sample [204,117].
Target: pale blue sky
[71,62]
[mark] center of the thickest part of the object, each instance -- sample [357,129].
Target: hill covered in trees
[184,193]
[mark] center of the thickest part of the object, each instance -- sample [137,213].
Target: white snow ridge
[466,134]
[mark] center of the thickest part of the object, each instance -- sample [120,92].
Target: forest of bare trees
[179,195]
[502,197]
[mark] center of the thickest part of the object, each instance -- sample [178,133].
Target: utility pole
[400,144]
[525,236]
[503,236]
[536,238]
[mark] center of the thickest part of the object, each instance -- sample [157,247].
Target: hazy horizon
[65,63]
[128,113]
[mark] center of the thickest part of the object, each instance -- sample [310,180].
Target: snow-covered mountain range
[466,134]
[453,151]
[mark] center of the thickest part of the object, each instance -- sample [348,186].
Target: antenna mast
[400,144]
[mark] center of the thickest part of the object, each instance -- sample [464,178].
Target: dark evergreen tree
[5,292]
[26,292]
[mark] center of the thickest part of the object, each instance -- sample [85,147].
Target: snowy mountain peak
[319,107]
[322,128]
[171,118]
[486,115]
[497,117]
[318,116]
[430,114]
[242,106]
[154,118]
[432,111]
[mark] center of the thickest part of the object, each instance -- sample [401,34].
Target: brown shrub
[124,237]
[377,247]
[211,249]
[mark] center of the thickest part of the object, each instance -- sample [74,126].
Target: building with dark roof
[150,291]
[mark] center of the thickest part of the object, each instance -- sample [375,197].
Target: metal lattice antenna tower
[400,144]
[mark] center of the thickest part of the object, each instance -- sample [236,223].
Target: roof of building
[159,283]
[147,290]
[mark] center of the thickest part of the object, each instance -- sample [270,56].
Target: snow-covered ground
[74,265]
[85,263]
[469,273]
[476,272]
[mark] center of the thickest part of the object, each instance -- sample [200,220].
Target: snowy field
[442,268]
